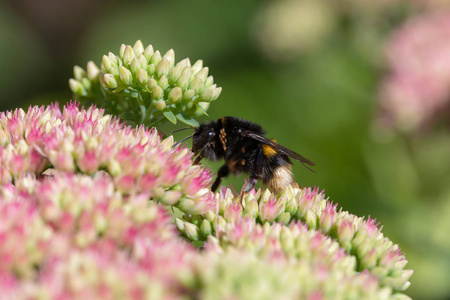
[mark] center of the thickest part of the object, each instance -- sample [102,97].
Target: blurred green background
[309,71]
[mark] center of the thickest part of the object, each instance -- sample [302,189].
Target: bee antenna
[308,167]
[179,142]
[181,129]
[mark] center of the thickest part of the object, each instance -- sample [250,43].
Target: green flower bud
[369,260]
[219,224]
[188,95]
[170,57]
[163,68]
[216,93]
[183,81]
[76,87]
[125,75]
[156,58]
[175,94]
[345,232]
[151,84]
[151,69]
[138,48]
[184,63]
[22,148]
[92,71]
[265,196]
[286,239]
[157,93]
[311,219]
[114,167]
[291,206]
[197,66]
[180,224]
[360,237]
[401,264]
[246,199]
[174,74]
[148,52]
[363,249]
[135,66]
[210,216]
[251,209]
[79,73]
[106,63]
[114,61]
[284,218]
[202,74]
[163,82]
[167,143]
[143,61]
[142,77]
[160,104]
[197,85]
[191,231]
[206,95]
[209,81]
[171,197]
[110,81]
[379,271]
[205,228]
[86,83]
[128,56]
[122,50]
[399,283]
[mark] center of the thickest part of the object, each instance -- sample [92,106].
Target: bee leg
[223,172]
[250,184]
[247,188]
[197,160]
[257,173]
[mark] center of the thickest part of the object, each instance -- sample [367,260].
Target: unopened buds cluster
[145,87]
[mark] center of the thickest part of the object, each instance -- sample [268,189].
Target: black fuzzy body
[231,139]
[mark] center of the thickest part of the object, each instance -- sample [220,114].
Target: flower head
[355,244]
[88,141]
[154,87]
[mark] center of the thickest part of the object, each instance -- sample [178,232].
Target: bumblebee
[245,149]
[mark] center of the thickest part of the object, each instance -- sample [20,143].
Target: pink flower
[87,141]
[417,88]
[270,210]
[328,217]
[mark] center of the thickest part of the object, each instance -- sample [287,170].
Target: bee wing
[279,148]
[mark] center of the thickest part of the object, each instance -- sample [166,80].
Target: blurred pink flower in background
[416,91]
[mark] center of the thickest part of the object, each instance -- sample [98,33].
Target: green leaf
[170,116]
[118,90]
[200,108]
[187,119]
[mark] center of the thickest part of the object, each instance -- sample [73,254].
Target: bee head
[205,140]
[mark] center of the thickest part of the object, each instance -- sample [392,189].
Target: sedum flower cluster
[74,236]
[87,209]
[87,141]
[144,87]
[300,223]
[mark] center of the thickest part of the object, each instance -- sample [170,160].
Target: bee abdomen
[282,176]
